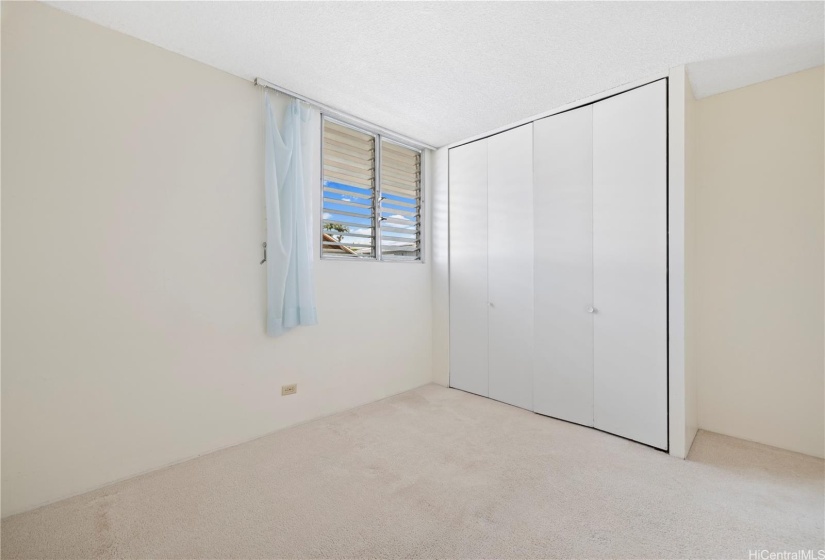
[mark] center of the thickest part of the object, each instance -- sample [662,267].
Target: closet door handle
[592,309]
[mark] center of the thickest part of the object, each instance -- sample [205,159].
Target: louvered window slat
[401,193]
[400,201]
[354,247]
[361,194]
[332,198]
[338,212]
[346,222]
[385,211]
[332,167]
[397,221]
[400,189]
[344,160]
[347,152]
[391,230]
[401,176]
[369,212]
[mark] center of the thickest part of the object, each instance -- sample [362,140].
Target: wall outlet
[289,389]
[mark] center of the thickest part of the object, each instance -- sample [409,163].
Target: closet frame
[679,430]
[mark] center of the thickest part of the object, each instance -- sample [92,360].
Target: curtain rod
[326,109]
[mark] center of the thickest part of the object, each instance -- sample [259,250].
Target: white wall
[759,262]
[440,267]
[683,375]
[133,301]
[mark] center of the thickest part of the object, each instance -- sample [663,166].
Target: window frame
[378,138]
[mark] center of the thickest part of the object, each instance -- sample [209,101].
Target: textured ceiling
[443,71]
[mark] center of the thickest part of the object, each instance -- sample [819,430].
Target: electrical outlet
[289,389]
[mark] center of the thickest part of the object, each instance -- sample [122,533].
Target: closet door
[510,265]
[563,214]
[468,267]
[630,264]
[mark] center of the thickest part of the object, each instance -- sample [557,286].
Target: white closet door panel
[468,268]
[510,265]
[563,214]
[630,264]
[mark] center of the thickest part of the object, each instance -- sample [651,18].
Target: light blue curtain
[290,283]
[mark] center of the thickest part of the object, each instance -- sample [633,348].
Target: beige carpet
[440,473]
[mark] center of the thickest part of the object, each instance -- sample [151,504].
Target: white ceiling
[443,71]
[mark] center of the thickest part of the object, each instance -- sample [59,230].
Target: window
[371,196]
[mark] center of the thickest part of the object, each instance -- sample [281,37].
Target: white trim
[578,103]
[676,263]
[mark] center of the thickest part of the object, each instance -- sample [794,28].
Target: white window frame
[378,138]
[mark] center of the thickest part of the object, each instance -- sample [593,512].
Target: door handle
[491,304]
[592,309]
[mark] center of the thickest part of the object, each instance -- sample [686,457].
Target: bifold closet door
[563,214]
[468,267]
[510,265]
[630,264]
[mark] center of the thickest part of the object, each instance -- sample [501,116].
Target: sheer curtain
[290,283]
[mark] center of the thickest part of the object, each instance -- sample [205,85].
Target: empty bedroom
[412,280]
